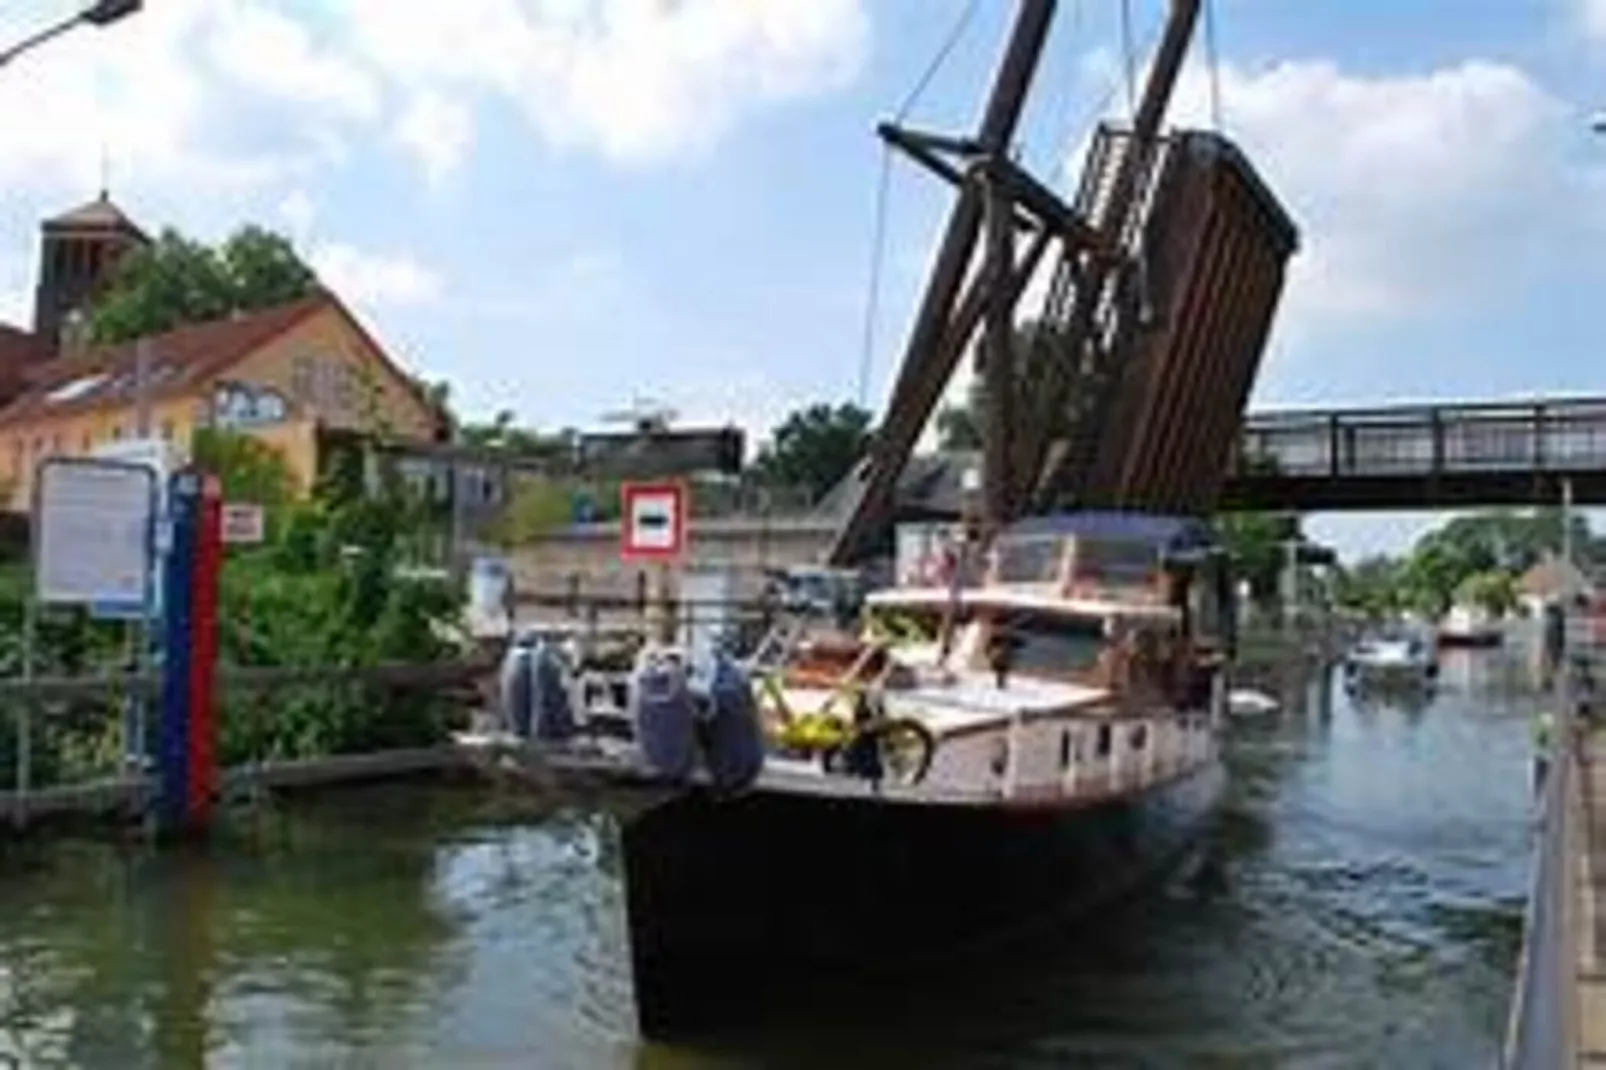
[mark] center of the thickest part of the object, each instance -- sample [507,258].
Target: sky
[563,205]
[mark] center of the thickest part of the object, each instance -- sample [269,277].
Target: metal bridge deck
[1421,456]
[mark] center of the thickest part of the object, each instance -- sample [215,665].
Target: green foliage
[1257,543]
[250,469]
[331,587]
[1494,592]
[537,506]
[1371,587]
[334,589]
[815,448]
[1475,559]
[1040,358]
[177,280]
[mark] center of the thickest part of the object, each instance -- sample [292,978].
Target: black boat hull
[738,900]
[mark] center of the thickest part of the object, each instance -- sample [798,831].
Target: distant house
[1548,581]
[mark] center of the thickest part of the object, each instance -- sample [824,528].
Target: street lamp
[100,13]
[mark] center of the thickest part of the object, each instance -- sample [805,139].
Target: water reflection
[1355,905]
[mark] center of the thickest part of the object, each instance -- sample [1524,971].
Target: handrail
[1543,436]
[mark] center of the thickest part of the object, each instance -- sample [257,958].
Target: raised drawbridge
[1128,389]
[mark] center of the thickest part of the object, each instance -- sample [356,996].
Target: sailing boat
[1039,731]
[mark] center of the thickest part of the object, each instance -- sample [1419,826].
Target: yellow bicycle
[850,732]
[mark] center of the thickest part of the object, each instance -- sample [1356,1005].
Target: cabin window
[1102,746]
[1054,645]
[1139,736]
[1065,749]
[1028,560]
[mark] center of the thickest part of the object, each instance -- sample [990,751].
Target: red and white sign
[242,523]
[654,521]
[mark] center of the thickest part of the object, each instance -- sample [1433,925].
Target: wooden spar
[921,378]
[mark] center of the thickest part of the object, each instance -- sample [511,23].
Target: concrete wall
[591,552]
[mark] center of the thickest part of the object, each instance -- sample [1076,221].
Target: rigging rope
[1127,57]
[883,183]
[1214,63]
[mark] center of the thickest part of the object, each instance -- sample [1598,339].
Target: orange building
[282,375]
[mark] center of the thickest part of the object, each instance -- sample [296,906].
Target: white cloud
[268,53]
[1593,15]
[374,279]
[437,132]
[636,80]
[1413,193]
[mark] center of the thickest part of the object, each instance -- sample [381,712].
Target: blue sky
[560,205]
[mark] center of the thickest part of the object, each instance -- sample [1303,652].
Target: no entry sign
[654,525]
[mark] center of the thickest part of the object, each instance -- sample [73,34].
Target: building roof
[1550,576]
[181,361]
[20,352]
[98,214]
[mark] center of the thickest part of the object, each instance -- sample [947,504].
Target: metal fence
[81,742]
[1542,1029]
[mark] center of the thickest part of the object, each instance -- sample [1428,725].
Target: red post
[203,772]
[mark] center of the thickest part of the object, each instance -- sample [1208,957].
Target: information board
[243,523]
[92,533]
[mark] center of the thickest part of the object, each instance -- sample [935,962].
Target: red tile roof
[20,353]
[180,360]
[98,214]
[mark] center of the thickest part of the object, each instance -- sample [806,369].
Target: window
[1101,746]
[87,442]
[167,430]
[301,385]
[117,432]
[345,386]
[1053,645]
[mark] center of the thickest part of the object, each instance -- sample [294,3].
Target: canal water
[1358,904]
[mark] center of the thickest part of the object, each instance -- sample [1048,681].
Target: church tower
[77,252]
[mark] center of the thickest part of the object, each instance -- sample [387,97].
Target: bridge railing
[1560,435]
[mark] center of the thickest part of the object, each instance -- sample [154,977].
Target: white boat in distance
[1399,657]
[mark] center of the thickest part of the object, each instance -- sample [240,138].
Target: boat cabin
[1135,606]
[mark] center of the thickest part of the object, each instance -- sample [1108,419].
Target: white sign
[654,520]
[92,532]
[243,522]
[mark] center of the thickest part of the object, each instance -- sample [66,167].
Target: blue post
[178,571]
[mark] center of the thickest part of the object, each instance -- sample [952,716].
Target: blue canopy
[1171,534]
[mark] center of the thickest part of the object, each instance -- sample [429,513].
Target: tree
[1494,592]
[1258,546]
[814,448]
[177,280]
[959,426]
[1371,587]
[250,469]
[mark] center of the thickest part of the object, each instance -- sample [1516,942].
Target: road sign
[93,524]
[654,521]
[243,523]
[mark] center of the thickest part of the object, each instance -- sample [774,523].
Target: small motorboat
[1247,702]
[1395,657]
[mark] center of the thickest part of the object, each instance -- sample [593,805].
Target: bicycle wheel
[904,747]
